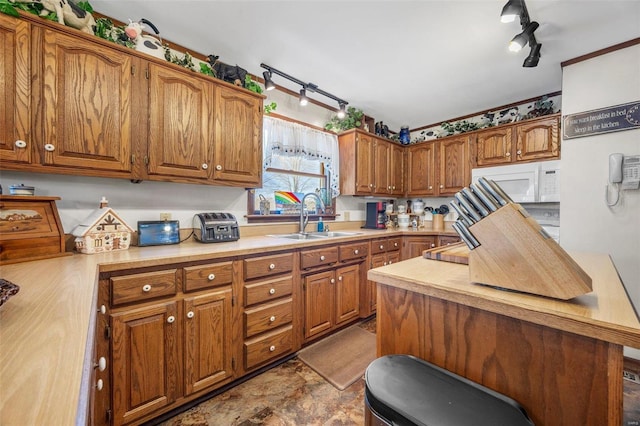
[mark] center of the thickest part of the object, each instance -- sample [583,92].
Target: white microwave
[526,183]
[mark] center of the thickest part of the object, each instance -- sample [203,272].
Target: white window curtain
[285,138]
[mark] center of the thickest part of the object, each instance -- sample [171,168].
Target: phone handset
[615,177]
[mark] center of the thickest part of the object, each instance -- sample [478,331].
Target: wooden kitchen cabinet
[531,140]
[415,245]
[15,91]
[370,165]
[438,168]
[384,251]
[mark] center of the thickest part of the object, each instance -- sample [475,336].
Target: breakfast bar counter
[562,360]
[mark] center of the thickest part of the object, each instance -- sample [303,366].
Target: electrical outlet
[631,376]
[165,216]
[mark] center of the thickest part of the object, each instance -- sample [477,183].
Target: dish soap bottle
[320,224]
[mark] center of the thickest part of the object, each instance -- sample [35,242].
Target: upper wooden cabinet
[370,165]
[439,167]
[15,90]
[83,106]
[530,140]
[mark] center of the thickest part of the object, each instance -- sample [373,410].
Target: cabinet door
[396,169]
[377,261]
[145,361]
[208,340]
[180,124]
[238,137]
[319,303]
[414,246]
[364,164]
[537,140]
[382,184]
[15,90]
[454,169]
[493,146]
[347,293]
[87,105]
[421,169]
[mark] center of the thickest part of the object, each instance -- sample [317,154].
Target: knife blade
[470,235]
[485,197]
[466,219]
[464,236]
[475,202]
[467,207]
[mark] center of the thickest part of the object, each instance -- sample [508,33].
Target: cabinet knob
[218,167]
[272,318]
[384,264]
[272,266]
[102,309]
[322,257]
[272,348]
[389,187]
[99,384]
[102,364]
[49,147]
[146,288]
[370,185]
[519,152]
[190,314]
[333,280]
[441,186]
[390,262]
[171,319]
[21,144]
[433,245]
[393,187]
[395,244]
[272,291]
[211,277]
[508,154]
[381,247]
[205,166]
[430,187]
[340,278]
[356,251]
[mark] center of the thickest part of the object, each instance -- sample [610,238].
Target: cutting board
[455,253]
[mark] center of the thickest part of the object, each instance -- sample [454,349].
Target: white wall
[587,223]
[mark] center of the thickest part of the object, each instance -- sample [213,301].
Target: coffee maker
[376,216]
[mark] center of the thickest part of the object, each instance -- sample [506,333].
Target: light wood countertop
[606,313]
[46,330]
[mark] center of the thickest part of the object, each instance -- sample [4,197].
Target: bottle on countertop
[320,224]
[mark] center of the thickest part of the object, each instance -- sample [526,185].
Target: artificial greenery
[186,60]
[352,119]
[269,108]
[462,126]
[251,85]
[206,69]
[106,30]
[10,8]
[543,106]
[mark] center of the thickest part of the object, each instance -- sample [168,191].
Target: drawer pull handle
[99,384]
[272,348]
[272,291]
[272,319]
[272,266]
[395,244]
[102,364]
[322,257]
[356,251]
[381,247]
[146,288]
[212,277]
[171,319]
[190,314]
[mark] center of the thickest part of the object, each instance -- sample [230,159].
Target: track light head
[521,40]
[342,112]
[534,56]
[511,10]
[303,97]
[268,82]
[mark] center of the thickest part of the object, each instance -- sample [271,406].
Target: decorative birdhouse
[102,231]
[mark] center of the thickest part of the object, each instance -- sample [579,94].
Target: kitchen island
[562,360]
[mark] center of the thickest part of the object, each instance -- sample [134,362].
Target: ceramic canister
[403,220]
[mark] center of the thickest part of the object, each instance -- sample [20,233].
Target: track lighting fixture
[515,8]
[269,84]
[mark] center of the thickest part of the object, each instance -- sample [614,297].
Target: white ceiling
[409,63]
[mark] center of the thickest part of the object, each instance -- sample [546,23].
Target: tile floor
[292,394]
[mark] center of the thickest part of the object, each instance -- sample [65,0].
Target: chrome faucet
[303,219]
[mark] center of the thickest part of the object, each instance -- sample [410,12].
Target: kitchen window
[297,159]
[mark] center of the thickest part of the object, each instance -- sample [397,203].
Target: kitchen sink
[314,235]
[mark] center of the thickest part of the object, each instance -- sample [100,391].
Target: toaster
[215,227]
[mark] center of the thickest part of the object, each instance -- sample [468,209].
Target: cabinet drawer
[268,346]
[139,287]
[207,276]
[268,317]
[267,290]
[382,246]
[354,251]
[318,257]
[445,240]
[394,244]
[264,266]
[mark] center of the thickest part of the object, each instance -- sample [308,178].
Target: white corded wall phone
[624,174]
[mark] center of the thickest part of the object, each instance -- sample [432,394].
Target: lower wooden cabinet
[383,252]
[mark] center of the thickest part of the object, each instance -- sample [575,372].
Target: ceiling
[409,63]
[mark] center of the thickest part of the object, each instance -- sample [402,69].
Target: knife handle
[485,197]
[475,202]
[466,206]
[461,215]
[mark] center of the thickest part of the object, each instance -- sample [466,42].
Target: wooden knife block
[514,254]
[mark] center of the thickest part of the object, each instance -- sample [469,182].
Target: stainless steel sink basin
[314,235]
